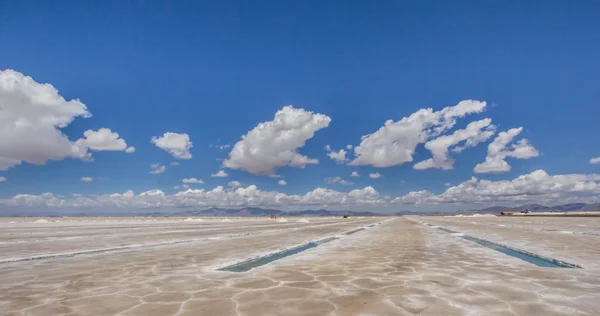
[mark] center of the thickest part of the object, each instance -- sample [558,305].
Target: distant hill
[592,207]
[534,208]
[573,207]
[570,207]
[260,212]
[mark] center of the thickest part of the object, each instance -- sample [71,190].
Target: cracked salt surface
[397,268]
[260,261]
[526,256]
[246,265]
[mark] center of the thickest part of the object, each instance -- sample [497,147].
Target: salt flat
[169,266]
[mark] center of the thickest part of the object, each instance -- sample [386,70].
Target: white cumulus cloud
[87,179]
[274,144]
[331,180]
[395,142]
[375,175]
[220,174]
[536,186]
[502,148]
[234,184]
[32,116]
[157,168]
[2,179]
[103,140]
[177,145]
[354,174]
[281,182]
[338,156]
[595,160]
[192,180]
[474,134]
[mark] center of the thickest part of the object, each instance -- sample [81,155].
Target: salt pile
[189,219]
[303,220]
[282,220]
[41,221]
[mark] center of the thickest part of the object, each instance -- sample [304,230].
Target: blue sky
[215,70]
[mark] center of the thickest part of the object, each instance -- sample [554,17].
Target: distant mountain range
[259,212]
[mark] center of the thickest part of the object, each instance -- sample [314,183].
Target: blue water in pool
[538,261]
[353,231]
[247,265]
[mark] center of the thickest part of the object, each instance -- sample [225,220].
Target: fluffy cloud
[282,182]
[126,195]
[32,115]
[192,180]
[157,168]
[499,149]
[239,197]
[174,163]
[536,186]
[595,160]
[474,134]
[274,144]
[2,179]
[395,142]
[338,156]
[339,180]
[103,140]
[234,184]
[415,197]
[87,179]
[220,174]
[177,145]
[375,175]
[354,174]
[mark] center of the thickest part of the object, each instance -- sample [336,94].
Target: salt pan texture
[399,267]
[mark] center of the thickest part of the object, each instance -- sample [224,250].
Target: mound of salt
[483,215]
[42,221]
[303,220]
[226,220]
[189,219]
[282,220]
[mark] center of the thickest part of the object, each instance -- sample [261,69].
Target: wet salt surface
[531,234]
[396,268]
[529,257]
